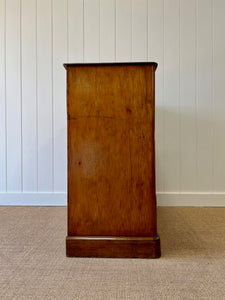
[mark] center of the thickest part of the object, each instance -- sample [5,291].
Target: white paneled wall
[185,37]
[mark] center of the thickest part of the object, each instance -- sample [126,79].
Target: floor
[33,264]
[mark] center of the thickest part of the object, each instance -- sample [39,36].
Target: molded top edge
[66,65]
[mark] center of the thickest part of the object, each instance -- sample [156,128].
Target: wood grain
[112,90]
[111,157]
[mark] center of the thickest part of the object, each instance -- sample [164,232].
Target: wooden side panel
[111,175]
[128,91]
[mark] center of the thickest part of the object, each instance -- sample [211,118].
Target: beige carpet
[33,264]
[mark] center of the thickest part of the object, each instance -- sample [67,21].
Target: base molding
[209,199]
[113,246]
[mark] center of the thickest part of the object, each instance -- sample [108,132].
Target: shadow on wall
[184,149]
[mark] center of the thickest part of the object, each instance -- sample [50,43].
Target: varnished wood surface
[121,247]
[111,159]
[111,91]
[111,176]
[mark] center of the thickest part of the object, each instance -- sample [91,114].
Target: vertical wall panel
[171,95]
[75,31]
[219,95]
[188,95]
[13,94]
[123,30]
[155,53]
[139,30]
[204,96]
[29,120]
[107,30]
[44,95]
[91,30]
[59,93]
[2,100]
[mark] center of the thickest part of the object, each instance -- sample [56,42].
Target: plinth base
[113,246]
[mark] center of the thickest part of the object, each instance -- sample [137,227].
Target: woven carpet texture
[33,263]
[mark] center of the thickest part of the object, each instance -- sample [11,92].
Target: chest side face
[111,174]
[117,91]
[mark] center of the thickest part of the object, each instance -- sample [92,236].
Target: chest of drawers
[111,160]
